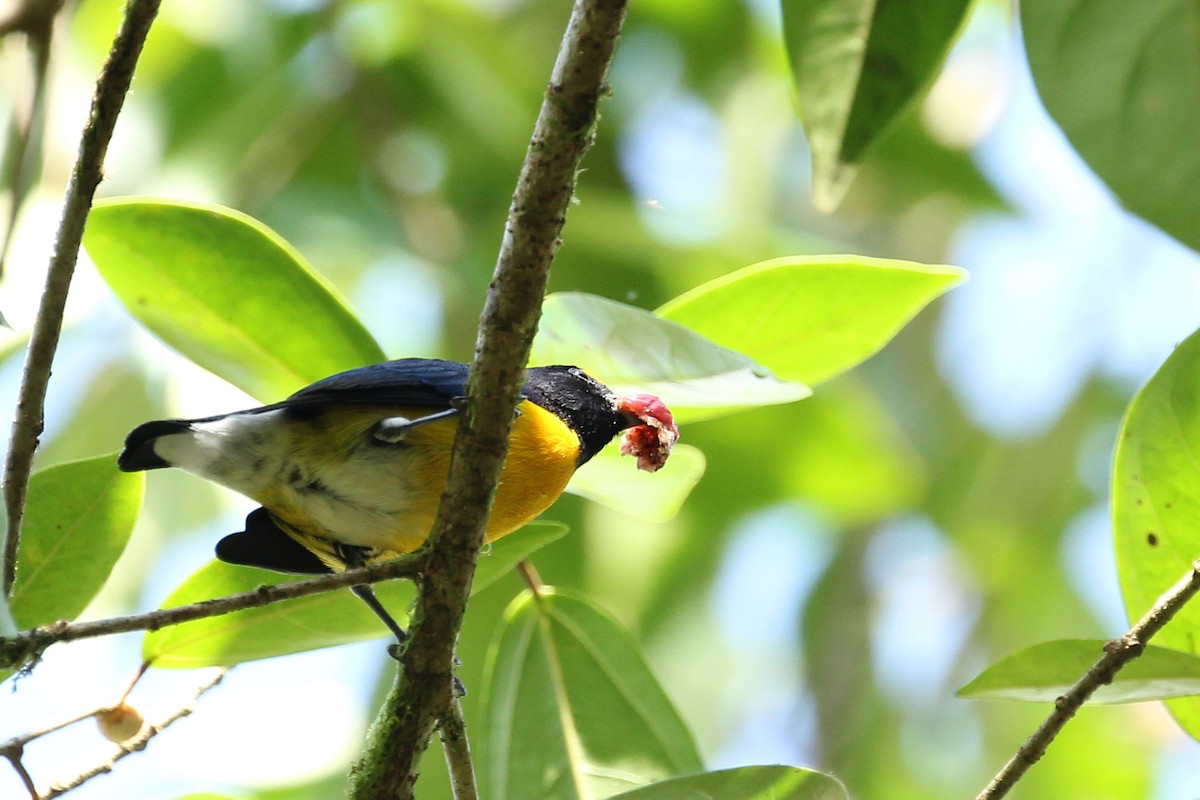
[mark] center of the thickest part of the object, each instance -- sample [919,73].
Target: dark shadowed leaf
[1122,80]
[857,65]
[572,710]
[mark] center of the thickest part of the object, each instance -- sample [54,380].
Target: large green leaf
[1156,501]
[610,480]
[227,292]
[1122,80]
[78,518]
[1045,671]
[633,350]
[745,783]
[572,710]
[808,318]
[306,623]
[857,65]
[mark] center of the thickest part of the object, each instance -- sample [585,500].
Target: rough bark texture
[563,133]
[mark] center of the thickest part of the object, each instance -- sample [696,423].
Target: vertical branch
[561,136]
[453,730]
[111,88]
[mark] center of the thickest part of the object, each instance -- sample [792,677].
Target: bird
[350,470]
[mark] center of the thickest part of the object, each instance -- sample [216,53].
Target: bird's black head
[585,404]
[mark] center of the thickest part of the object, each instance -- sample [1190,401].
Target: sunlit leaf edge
[1130,685]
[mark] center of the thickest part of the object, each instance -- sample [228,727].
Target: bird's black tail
[139,452]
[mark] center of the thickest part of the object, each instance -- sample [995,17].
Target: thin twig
[17,743]
[14,758]
[561,136]
[453,731]
[28,645]
[1117,653]
[134,745]
[111,88]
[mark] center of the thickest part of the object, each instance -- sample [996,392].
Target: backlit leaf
[613,480]
[1043,672]
[227,292]
[1156,501]
[630,350]
[808,318]
[306,623]
[78,518]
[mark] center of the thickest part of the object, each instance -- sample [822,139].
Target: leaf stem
[111,88]
[1117,653]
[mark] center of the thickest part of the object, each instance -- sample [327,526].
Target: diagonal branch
[1117,654]
[29,645]
[561,136]
[111,89]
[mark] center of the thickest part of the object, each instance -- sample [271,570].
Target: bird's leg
[365,593]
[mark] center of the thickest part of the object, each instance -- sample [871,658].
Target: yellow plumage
[327,452]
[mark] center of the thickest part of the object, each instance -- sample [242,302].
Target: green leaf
[745,783]
[609,480]
[78,518]
[1045,671]
[857,65]
[1122,80]
[808,318]
[227,292]
[633,350]
[572,709]
[306,623]
[1156,501]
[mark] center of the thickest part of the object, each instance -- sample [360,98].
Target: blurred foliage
[784,609]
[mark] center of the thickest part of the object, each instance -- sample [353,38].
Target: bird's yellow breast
[342,486]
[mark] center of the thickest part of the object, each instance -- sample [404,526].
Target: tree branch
[111,88]
[453,731]
[134,745]
[1117,653]
[29,645]
[561,136]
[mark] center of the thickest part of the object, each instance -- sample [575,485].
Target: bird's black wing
[420,382]
[264,544]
